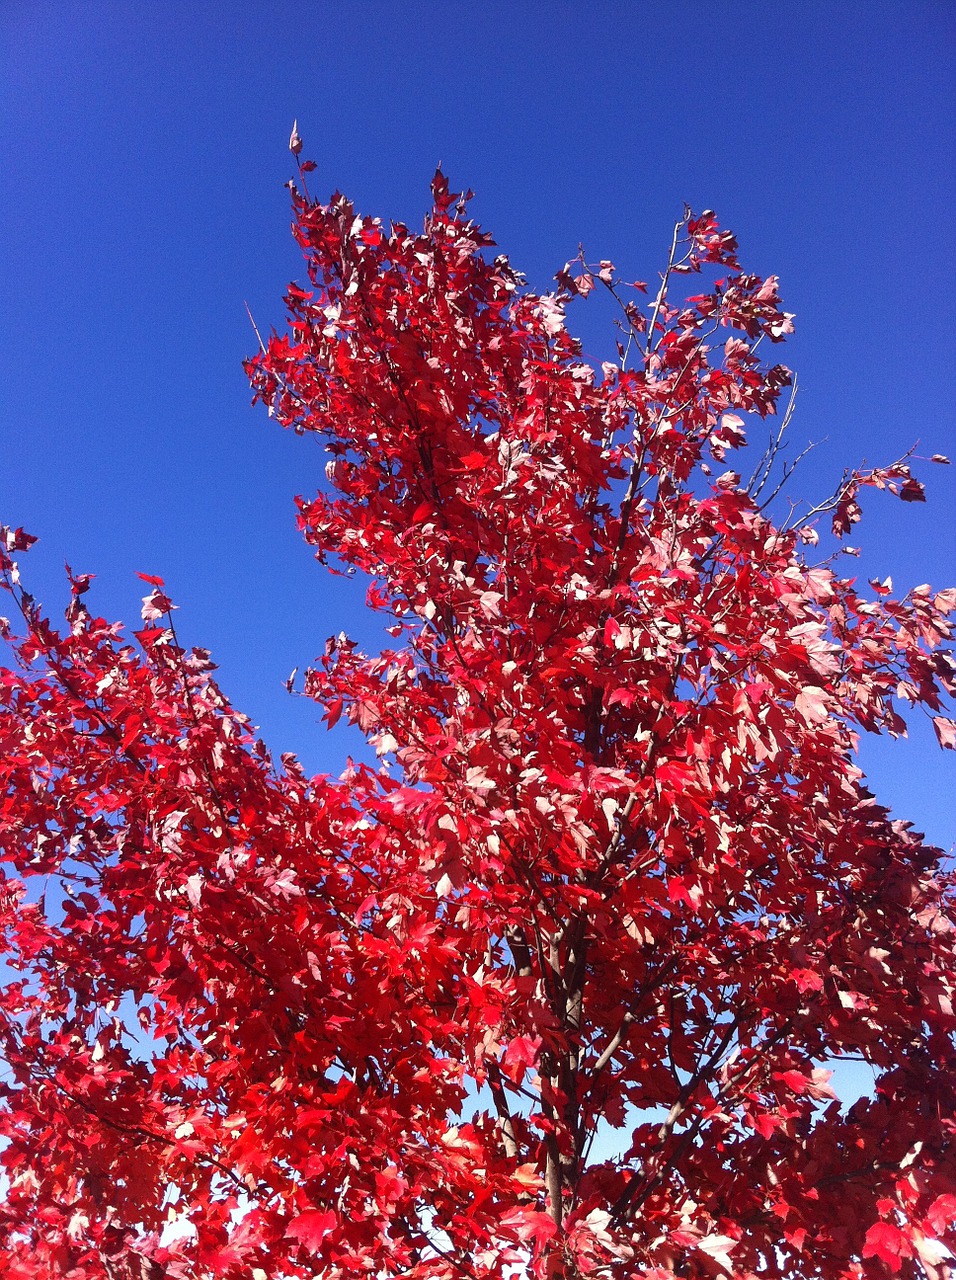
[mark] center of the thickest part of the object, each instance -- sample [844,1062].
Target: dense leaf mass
[615,877]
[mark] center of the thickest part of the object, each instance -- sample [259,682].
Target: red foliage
[623,869]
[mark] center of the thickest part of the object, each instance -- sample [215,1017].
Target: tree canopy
[616,871]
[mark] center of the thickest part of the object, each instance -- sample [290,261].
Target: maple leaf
[311,1227]
[813,704]
[942,1212]
[521,1053]
[886,1242]
[814,1086]
[529,1224]
[719,1248]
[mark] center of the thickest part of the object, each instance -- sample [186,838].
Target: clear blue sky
[143,157]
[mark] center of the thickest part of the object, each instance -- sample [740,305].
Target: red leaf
[886,1242]
[311,1227]
[521,1053]
[530,1224]
[147,635]
[814,1085]
[813,705]
[942,1212]
[766,1124]
[16,539]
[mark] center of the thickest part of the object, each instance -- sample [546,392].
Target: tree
[616,867]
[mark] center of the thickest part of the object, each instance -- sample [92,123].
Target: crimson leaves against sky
[617,868]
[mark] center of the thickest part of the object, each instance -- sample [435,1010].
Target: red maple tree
[622,879]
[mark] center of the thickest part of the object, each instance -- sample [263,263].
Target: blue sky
[143,157]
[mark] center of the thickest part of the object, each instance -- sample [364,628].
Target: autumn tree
[616,872]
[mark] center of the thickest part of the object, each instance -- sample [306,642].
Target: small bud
[295,142]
